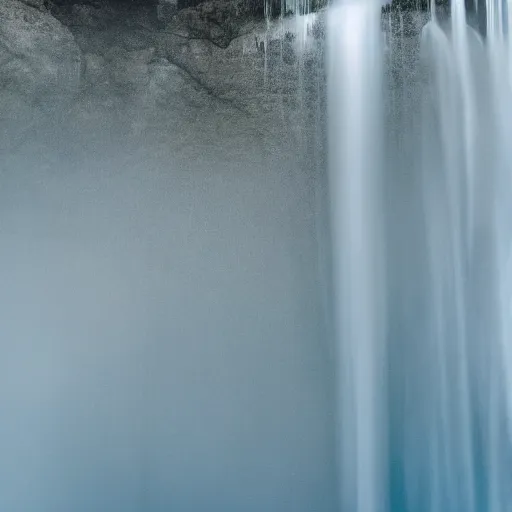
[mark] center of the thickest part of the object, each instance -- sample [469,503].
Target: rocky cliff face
[131,59]
[40,64]
[82,57]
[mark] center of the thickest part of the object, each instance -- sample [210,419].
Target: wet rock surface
[216,46]
[121,52]
[39,55]
[137,64]
[39,62]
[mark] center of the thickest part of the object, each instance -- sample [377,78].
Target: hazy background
[163,337]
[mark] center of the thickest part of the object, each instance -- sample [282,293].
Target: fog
[163,334]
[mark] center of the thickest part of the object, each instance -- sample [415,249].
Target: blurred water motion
[424,384]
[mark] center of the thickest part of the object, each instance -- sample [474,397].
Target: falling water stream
[424,319]
[355,138]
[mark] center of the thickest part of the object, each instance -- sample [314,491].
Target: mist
[163,344]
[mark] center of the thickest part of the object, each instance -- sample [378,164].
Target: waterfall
[354,67]
[422,230]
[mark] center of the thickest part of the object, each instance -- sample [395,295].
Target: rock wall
[131,60]
[86,60]
[40,63]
